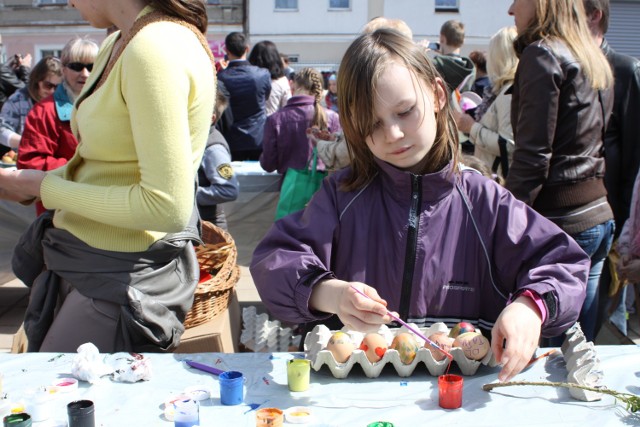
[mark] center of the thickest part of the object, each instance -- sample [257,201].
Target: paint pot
[450,391]
[231,387]
[17,420]
[187,413]
[40,404]
[269,417]
[81,413]
[66,385]
[380,424]
[298,373]
[298,415]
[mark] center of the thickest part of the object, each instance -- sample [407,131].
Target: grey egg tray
[316,341]
[583,364]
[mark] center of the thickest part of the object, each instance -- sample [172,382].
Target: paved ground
[14,297]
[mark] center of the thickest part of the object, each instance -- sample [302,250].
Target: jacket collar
[238,63]
[301,100]
[63,102]
[398,183]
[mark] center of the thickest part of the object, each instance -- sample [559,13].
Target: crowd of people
[517,245]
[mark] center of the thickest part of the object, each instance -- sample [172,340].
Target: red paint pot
[450,391]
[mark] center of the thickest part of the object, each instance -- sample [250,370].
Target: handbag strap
[313,160]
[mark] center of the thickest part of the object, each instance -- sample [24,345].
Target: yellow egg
[406,346]
[443,341]
[341,346]
[374,346]
[474,345]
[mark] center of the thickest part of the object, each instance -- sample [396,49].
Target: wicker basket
[218,257]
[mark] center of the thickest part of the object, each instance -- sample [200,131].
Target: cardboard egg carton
[316,341]
[260,334]
[583,364]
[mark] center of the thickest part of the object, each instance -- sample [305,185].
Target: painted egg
[474,345]
[461,328]
[374,346]
[406,346]
[341,346]
[443,341]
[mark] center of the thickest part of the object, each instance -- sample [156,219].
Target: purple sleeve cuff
[537,300]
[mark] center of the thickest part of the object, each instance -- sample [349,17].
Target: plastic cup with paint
[450,391]
[81,413]
[187,413]
[17,420]
[269,417]
[298,373]
[40,404]
[231,387]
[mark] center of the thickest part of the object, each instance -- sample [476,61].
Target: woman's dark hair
[192,11]
[265,55]
[46,66]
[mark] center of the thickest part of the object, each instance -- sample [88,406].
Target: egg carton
[316,341]
[583,364]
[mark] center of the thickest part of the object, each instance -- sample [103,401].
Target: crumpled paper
[89,365]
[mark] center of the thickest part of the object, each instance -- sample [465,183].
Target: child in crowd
[285,143]
[216,181]
[408,227]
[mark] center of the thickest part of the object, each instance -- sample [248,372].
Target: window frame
[287,9]
[53,2]
[335,8]
[446,8]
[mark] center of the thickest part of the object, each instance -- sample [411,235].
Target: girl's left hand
[630,270]
[518,328]
[464,121]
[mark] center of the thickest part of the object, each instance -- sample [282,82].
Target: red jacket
[47,142]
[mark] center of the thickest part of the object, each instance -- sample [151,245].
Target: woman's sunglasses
[79,66]
[48,85]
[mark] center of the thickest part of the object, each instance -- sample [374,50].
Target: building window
[286,4]
[213,1]
[339,4]
[46,2]
[447,5]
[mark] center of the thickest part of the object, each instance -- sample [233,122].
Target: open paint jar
[231,387]
[298,373]
[450,391]
[269,417]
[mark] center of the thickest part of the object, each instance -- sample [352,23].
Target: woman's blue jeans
[596,242]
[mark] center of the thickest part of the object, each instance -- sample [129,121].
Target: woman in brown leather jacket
[562,99]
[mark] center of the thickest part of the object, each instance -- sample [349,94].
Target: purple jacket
[285,143]
[439,247]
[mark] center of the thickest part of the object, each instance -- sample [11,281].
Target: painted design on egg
[374,346]
[461,328]
[474,345]
[341,346]
[406,346]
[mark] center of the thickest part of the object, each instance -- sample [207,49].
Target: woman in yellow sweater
[117,244]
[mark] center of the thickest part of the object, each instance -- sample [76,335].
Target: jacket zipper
[412,243]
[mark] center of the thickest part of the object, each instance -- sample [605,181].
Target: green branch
[631,400]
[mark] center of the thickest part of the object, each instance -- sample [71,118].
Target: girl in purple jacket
[407,225]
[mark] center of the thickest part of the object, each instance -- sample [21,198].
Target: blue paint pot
[231,387]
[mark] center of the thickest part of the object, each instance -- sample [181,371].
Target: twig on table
[631,400]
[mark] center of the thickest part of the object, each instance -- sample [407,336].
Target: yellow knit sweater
[141,137]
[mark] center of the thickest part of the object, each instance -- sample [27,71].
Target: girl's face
[47,86]
[405,108]
[523,12]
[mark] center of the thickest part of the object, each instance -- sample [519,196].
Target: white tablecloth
[354,401]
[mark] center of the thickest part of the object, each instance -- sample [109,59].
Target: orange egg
[406,346]
[341,346]
[443,341]
[374,346]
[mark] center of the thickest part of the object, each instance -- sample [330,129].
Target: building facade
[43,27]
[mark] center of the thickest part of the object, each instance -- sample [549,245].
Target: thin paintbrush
[406,325]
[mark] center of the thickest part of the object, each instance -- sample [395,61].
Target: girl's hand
[464,121]
[518,327]
[629,270]
[315,134]
[354,310]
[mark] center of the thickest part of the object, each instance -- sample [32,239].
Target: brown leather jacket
[558,124]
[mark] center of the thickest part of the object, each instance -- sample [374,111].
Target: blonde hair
[311,80]
[566,20]
[502,60]
[395,24]
[360,69]
[79,49]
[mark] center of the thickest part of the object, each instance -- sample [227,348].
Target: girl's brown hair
[566,20]
[45,67]
[192,11]
[360,69]
[310,80]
